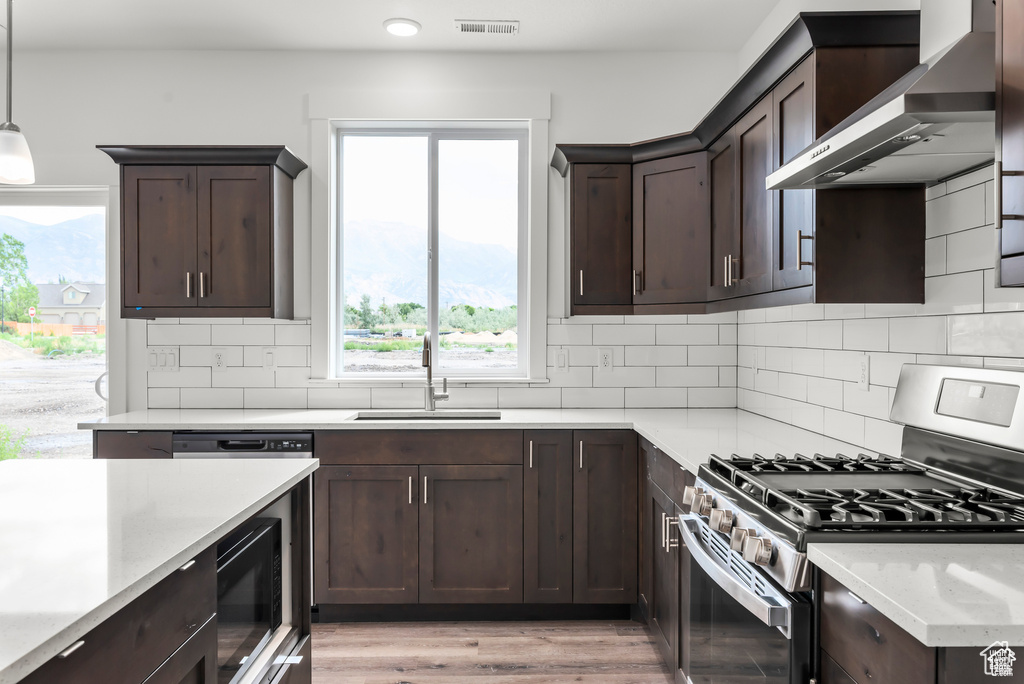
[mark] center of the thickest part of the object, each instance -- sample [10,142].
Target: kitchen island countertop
[82,539]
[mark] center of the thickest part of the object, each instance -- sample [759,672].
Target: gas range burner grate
[811,464]
[953,508]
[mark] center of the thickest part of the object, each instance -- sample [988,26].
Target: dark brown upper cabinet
[600,219]
[670,231]
[771,248]
[1010,140]
[206,231]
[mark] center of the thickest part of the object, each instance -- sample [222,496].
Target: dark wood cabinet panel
[831,673]
[605,516]
[547,516]
[143,444]
[670,230]
[793,119]
[419,447]
[601,235]
[753,273]
[724,216]
[471,534]
[234,224]
[142,635]
[867,645]
[664,554]
[158,238]
[206,231]
[366,537]
[195,661]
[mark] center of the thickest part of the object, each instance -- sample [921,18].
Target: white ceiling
[546,25]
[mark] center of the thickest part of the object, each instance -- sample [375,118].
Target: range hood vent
[487,26]
[935,122]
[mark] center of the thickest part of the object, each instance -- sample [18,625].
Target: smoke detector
[487,26]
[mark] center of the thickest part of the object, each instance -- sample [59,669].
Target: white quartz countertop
[943,594]
[687,435]
[80,539]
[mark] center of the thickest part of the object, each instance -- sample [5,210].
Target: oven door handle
[771,614]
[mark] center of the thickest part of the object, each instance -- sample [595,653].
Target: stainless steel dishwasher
[242,445]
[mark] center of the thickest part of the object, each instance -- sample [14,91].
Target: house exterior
[72,303]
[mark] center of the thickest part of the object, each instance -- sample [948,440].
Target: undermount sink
[420,414]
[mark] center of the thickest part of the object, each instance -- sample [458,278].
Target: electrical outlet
[219,360]
[605,359]
[270,357]
[561,360]
[864,373]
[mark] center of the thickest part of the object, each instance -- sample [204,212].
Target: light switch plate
[162,359]
[269,357]
[561,360]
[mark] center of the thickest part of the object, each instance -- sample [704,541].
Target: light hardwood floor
[591,652]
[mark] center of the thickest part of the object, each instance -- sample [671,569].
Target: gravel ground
[48,397]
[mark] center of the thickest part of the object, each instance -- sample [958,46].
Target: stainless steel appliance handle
[769,613]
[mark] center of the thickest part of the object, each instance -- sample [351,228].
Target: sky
[385,179]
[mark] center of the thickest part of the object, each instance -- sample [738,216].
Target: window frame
[435,132]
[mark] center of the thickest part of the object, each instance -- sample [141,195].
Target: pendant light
[16,166]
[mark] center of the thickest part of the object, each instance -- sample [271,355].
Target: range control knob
[703,504]
[690,493]
[739,537]
[757,550]
[721,520]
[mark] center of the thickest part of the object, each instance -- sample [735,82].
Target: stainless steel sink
[420,414]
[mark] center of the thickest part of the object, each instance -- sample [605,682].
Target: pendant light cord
[10,54]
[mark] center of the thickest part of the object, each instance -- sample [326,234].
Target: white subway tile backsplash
[242,335]
[843,426]
[924,334]
[627,376]
[529,397]
[793,386]
[809,361]
[825,334]
[590,356]
[970,250]
[283,356]
[727,333]
[868,334]
[687,376]
[297,376]
[711,397]
[987,334]
[244,377]
[825,392]
[685,334]
[170,335]
[291,334]
[935,257]
[720,355]
[184,377]
[727,376]
[833,311]
[874,403]
[203,356]
[779,358]
[841,365]
[265,398]
[575,376]
[954,293]
[397,397]
[338,397]
[570,334]
[656,397]
[656,356]
[164,397]
[1001,298]
[884,369]
[471,398]
[883,436]
[766,381]
[971,179]
[211,398]
[591,397]
[955,211]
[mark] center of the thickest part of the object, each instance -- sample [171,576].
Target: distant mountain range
[391,266]
[73,249]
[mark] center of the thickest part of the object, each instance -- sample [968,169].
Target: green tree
[366,315]
[406,307]
[18,292]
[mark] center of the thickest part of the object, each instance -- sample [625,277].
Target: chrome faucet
[431,396]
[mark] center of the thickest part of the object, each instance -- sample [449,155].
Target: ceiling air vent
[487,26]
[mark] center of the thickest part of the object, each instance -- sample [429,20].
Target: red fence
[58,329]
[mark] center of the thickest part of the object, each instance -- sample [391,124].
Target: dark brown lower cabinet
[831,673]
[367,534]
[471,534]
[605,516]
[195,662]
[547,516]
[143,444]
[664,590]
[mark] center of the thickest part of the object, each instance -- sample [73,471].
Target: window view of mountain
[70,249]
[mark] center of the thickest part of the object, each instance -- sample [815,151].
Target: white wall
[808,356]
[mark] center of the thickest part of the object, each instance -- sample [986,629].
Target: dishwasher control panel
[242,444]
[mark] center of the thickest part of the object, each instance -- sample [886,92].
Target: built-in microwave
[248,596]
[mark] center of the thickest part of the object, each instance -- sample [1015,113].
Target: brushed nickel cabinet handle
[999,196]
[664,527]
[856,598]
[725,271]
[410,489]
[188,565]
[581,282]
[188,284]
[800,237]
[581,454]
[634,282]
[202,284]
[424,489]
[71,649]
[531,453]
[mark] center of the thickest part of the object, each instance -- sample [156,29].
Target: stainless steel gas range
[959,479]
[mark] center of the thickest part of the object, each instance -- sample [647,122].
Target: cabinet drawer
[298,669]
[831,673]
[419,447]
[868,645]
[137,639]
[108,444]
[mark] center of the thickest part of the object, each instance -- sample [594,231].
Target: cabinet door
[754,153]
[724,215]
[547,517]
[471,534]
[195,662]
[144,444]
[670,230]
[601,225]
[604,516]
[159,236]
[1010,137]
[793,119]
[663,543]
[365,543]
[234,236]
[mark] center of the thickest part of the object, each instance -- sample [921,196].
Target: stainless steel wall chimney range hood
[936,121]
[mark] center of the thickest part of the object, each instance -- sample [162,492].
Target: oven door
[738,627]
